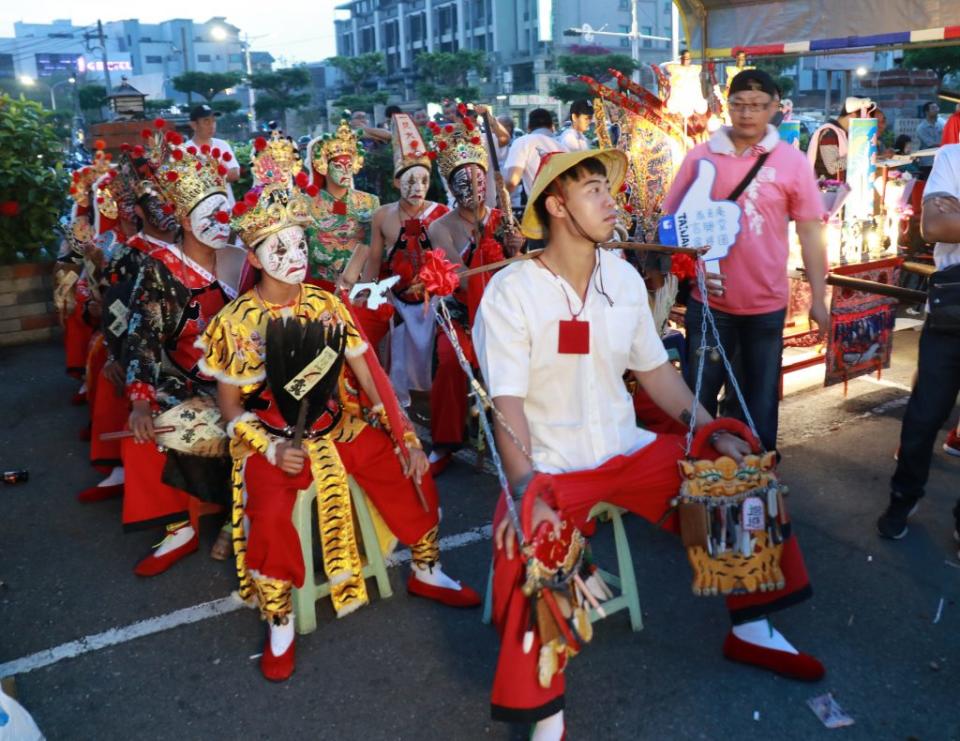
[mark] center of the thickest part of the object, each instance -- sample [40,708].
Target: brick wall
[898,92]
[26,304]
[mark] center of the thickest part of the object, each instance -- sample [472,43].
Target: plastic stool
[305,598]
[625,582]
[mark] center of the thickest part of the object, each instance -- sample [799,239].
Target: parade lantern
[126,101]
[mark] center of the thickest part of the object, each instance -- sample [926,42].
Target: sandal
[223,546]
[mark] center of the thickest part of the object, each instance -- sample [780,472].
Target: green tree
[32,181]
[280,90]
[775,66]
[591,65]
[91,99]
[361,71]
[944,60]
[444,74]
[157,105]
[227,106]
[362,101]
[208,85]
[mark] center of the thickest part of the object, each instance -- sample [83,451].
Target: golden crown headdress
[409,149]
[345,141]
[84,178]
[458,144]
[190,176]
[106,195]
[147,157]
[283,196]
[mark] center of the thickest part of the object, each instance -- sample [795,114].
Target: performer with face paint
[342,216]
[269,470]
[176,294]
[133,197]
[403,226]
[471,235]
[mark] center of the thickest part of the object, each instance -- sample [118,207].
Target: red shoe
[795,666]
[952,444]
[277,668]
[79,399]
[440,465]
[85,434]
[153,565]
[100,493]
[463,597]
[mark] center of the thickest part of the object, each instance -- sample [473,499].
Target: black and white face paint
[207,228]
[461,185]
[414,184]
[284,255]
[154,214]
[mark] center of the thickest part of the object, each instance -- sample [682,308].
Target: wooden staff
[503,196]
[665,249]
[122,434]
[907,295]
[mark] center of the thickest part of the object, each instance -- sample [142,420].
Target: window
[203,57]
[153,59]
[648,31]
[624,5]
[235,58]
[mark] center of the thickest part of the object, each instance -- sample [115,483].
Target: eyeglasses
[748,107]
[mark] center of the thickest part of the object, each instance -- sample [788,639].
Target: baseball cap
[202,111]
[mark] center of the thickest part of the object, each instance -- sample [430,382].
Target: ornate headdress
[458,144]
[190,176]
[408,147]
[150,155]
[345,141]
[83,179]
[282,196]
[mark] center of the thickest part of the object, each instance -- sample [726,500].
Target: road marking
[115,636]
[204,611]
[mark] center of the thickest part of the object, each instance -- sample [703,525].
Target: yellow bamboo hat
[554,164]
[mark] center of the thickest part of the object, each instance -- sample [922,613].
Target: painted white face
[284,255]
[461,185]
[340,171]
[206,227]
[414,184]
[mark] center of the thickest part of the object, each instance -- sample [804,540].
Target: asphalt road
[408,669]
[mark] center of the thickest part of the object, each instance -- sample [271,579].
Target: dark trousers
[757,341]
[931,403]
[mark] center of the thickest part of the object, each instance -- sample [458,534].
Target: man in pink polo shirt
[749,296]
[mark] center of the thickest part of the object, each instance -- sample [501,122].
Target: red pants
[643,483]
[76,340]
[448,393]
[109,413]
[96,359]
[273,547]
[147,500]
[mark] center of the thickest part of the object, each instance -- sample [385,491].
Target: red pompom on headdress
[172,176]
[251,198]
[124,147]
[259,143]
[138,151]
[222,217]
[302,180]
[312,190]
[204,149]
[159,123]
[227,157]
[240,208]
[192,150]
[145,133]
[177,154]
[100,145]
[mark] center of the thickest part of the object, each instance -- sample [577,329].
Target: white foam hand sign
[700,221]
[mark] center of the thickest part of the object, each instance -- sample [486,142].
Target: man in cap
[203,123]
[555,336]
[749,297]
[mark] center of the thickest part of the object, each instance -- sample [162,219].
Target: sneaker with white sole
[951,445]
[892,524]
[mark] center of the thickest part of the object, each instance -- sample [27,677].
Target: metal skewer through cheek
[477,390]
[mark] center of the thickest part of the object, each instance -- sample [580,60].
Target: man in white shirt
[555,336]
[574,138]
[929,133]
[203,122]
[523,161]
[938,363]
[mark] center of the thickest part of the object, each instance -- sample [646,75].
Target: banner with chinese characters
[861,324]
[861,167]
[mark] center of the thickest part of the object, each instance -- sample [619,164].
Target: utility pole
[635,40]
[103,54]
[186,65]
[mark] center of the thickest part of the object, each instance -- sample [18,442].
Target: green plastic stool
[305,598]
[625,582]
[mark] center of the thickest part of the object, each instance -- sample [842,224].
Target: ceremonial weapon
[503,196]
[378,291]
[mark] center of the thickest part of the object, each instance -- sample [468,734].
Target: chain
[707,321]
[483,398]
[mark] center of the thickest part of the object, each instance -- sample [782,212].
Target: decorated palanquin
[340,225]
[732,518]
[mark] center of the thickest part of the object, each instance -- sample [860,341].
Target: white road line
[204,611]
[123,634]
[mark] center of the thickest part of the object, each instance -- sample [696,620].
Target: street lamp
[218,33]
[861,71]
[27,81]
[54,86]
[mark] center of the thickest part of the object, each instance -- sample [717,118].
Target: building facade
[149,55]
[521,37]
